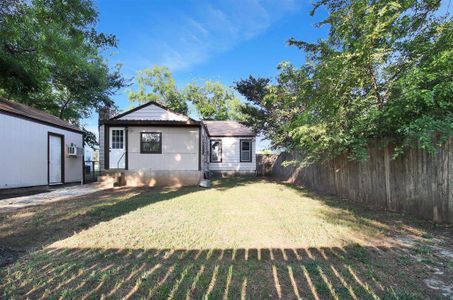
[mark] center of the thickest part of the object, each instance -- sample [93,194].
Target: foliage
[162,87]
[383,73]
[89,138]
[272,108]
[213,101]
[265,152]
[50,57]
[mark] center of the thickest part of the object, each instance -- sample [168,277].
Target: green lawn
[244,238]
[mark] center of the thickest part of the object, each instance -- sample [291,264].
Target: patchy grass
[244,238]
[422,249]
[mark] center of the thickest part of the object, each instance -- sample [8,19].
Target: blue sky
[216,40]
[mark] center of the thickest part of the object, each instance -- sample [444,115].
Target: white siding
[180,146]
[231,158]
[154,113]
[23,153]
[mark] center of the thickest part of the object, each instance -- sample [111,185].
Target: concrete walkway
[47,197]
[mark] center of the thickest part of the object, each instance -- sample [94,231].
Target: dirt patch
[436,256]
[436,284]
[8,256]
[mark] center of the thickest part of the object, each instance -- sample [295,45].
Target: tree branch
[13,50]
[375,86]
[64,107]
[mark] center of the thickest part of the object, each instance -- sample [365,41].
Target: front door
[117,145]
[55,159]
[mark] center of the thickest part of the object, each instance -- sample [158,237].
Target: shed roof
[27,112]
[227,128]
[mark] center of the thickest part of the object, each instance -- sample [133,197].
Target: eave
[114,122]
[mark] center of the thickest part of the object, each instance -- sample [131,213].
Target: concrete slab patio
[14,203]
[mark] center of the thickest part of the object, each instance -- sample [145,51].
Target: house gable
[151,111]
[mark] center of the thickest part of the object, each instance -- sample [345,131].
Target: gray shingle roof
[227,128]
[35,114]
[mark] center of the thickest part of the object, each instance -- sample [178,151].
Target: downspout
[83,161]
[199,148]
[126,163]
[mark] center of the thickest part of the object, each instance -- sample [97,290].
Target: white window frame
[250,142]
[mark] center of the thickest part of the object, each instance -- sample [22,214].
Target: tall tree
[384,72]
[157,84]
[50,57]
[213,101]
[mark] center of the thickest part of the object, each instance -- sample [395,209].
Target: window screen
[117,139]
[151,142]
[216,151]
[246,150]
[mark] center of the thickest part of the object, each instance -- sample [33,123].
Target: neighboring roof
[120,116]
[27,112]
[227,128]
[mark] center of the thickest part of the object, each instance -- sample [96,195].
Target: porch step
[120,180]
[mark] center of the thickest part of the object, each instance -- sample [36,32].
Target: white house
[37,148]
[152,145]
[231,148]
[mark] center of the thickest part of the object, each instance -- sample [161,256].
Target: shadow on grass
[36,226]
[361,216]
[33,227]
[314,273]
[225,183]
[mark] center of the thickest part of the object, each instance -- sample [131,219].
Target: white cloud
[208,29]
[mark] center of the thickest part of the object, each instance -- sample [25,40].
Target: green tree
[214,101]
[157,84]
[272,107]
[50,57]
[383,73]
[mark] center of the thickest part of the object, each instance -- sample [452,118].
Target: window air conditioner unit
[72,150]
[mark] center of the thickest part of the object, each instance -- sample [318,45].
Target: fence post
[434,188]
[449,149]
[388,195]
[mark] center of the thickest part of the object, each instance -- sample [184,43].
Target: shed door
[117,148]
[55,159]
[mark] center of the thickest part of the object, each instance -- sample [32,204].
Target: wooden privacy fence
[415,183]
[264,163]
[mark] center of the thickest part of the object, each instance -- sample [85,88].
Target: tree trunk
[63,108]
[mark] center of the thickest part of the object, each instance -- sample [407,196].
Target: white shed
[37,148]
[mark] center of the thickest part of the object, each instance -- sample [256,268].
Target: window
[246,150]
[117,138]
[216,151]
[151,142]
